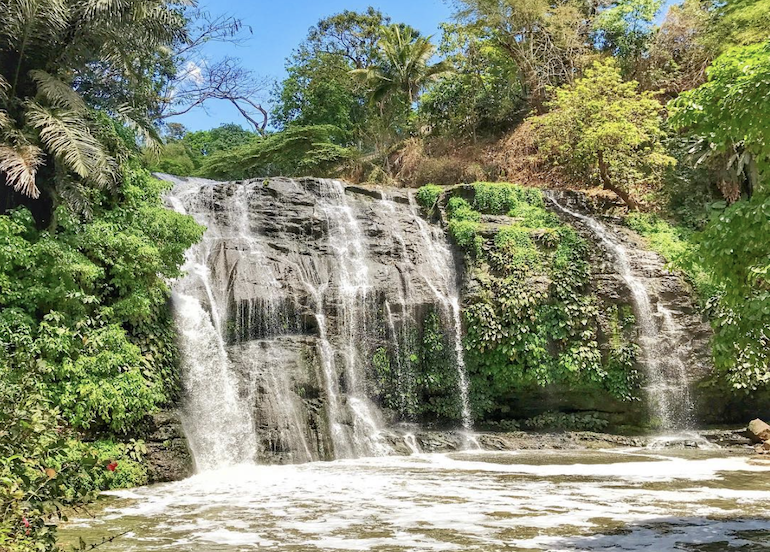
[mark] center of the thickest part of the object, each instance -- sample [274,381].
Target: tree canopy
[607,132]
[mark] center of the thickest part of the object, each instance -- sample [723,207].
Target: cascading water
[295,286]
[659,334]
[346,240]
[217,416]
[442,280]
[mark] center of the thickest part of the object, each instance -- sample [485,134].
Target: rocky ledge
[448,441]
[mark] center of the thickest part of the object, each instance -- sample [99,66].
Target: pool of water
[545,500]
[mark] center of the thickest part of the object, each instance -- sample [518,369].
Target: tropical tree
[602,131]
[318,89]
[626,29]
[53,55]
[480,96]
[677,56]
[184,153]
[737,23]
[549,40]
[731,116]
[404,67]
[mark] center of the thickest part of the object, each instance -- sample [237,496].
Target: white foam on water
[534,500]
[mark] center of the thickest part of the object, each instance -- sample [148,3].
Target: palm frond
[139,122]
[58,93]
[4,87]
[90,10]
[19,166]
[27,23]
[65,135]
[5,120]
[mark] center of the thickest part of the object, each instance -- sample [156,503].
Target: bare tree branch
[199,80]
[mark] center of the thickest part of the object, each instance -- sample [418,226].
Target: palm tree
[56,56]
[404,68]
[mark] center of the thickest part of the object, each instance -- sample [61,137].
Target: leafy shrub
[531,322]
[86,342]
[742,307]
[495,199]
[459,209]
[679,247]
[428,195]
[105,341]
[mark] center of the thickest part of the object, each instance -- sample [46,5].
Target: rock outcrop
[307,280]
[168,458]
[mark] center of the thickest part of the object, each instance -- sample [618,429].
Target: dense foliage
[86,341]
[185,153]
[533,321]
[605,132]
[61,65]
[297,151]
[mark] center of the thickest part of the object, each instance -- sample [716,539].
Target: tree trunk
[604,175]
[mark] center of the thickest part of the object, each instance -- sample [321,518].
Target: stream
[628,500]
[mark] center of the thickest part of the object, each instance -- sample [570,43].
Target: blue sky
[280,25]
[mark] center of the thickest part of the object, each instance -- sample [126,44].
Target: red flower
[112,466]
[25,521]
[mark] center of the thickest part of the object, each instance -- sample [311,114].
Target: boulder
[758,431]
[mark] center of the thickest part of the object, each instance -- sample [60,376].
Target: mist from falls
[292,288]
[659,335]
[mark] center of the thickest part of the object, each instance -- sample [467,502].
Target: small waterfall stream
[447,292]
[659,334]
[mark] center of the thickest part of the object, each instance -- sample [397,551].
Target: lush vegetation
[532,321]
[673,119]
[87,346]
[603,131]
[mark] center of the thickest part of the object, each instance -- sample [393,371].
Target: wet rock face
[305,279]
[684,333]
[280,251]
[168,458]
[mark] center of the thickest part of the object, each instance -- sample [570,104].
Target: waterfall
[442,280]
[346,240]
[277,317]
[659,334]
[220,432]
